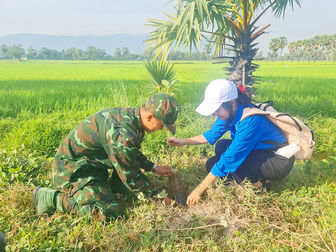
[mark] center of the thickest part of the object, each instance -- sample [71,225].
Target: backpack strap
[249,111]
[296,122]
[266,105]
[254,111]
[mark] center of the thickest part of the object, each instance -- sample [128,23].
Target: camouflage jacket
[109,139]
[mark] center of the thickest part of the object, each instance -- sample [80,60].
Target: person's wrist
[154,168]
[198,191]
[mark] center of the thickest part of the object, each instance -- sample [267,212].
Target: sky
[105,17]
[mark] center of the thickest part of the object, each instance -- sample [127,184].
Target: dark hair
[242,99]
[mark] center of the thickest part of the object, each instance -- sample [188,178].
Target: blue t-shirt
[247,135]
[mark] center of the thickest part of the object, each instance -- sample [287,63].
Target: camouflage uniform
[109,139]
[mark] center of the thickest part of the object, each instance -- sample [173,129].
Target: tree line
[91,53]
[318,48]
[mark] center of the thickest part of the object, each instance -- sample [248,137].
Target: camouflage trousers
[100,199]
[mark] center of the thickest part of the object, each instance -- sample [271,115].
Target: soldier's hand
[174,141]
[164,170]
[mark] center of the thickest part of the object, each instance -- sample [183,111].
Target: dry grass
[229,217]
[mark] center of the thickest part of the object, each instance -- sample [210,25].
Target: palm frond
[184,29]
[280,6]
[163,75]
[258,33]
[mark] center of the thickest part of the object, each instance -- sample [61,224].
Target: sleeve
[145,163]
[247,135]
[216,132]
[123,151]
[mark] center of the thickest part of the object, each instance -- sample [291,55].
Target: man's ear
[149,117]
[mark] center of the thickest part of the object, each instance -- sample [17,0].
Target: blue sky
[99,17]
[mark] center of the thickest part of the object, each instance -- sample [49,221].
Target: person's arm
[195,195]
[144,162]
[174,141]
[122,148]
[210,136]
[148,166]
[247,135]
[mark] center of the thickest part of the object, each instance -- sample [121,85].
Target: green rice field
[42,101]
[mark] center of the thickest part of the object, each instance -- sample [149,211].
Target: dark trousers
[260,165]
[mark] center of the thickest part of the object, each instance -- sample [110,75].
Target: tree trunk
[241,66]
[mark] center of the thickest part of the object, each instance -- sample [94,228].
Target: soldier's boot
[44,200]
[2,242]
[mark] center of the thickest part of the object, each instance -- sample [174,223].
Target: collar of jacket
[137,117]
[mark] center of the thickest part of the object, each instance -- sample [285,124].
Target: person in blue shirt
[251,152]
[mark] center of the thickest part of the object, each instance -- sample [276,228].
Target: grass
[41,101]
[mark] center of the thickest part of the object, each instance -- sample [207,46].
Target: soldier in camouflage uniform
[109,139]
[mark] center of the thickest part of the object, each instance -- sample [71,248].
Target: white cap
[216,93]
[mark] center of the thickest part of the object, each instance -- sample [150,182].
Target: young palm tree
[221,20]
[163,76]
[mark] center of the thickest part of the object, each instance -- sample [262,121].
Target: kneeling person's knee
[97,201]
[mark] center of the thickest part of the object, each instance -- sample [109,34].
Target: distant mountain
[134,43]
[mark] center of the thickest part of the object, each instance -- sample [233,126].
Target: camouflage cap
[165,108]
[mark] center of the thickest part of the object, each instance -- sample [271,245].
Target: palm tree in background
[292,48]
[324,45]
[274,47]
[220,22]
[316,48]
[332,46]
[282,43]
[301,48]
